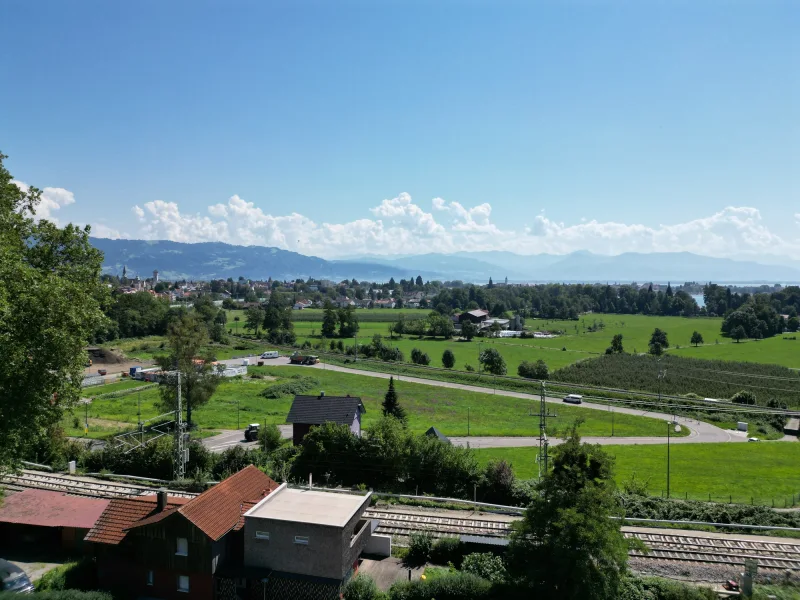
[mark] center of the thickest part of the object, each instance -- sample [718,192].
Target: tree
[616,344]
[566,546]
[793,324]
[738,333]
[448,359]
[744,397]
[658,342]
[348,322]
[329,320]
[391,405]
[419,281]
[270,438]
[253,318]
[537,370]
[187,340]
[51,301]
[493,361]
[440,326]
[697,338]
[419,357]
[469,330]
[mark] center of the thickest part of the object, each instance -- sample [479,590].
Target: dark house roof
[433,432]
[219,509]
[315,410]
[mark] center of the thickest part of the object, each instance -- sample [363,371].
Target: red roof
[46,508]
[219,510]
[122,513]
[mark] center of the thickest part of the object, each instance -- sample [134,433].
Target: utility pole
[468,421]
[669,426]
[179,467]
[543,443]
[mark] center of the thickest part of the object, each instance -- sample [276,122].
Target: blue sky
[541,126]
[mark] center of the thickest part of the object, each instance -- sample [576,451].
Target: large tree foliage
[188,339]
[566,547]
[493,362]
[329,321]
[658,342]
[51,303]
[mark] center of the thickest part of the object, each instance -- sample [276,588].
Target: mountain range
[216,260]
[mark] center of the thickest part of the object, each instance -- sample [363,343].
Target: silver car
[14,579]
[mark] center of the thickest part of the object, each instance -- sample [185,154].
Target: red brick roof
[46,508]
[220,509]
[122,513]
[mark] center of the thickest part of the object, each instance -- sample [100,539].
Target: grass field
[762,472]
[148,348]
[125,384]
[449,410]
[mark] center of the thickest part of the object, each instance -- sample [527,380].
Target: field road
[700,432]
[228,438]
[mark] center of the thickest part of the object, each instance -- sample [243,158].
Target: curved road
[700,432]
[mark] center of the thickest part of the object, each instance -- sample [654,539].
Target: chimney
[322,394]
[161,500]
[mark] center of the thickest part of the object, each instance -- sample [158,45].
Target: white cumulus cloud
[52,199]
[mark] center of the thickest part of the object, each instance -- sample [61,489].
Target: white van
[270,354]
[573,399]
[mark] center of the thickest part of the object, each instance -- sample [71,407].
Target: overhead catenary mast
[181,455]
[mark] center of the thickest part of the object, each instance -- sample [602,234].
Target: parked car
[753,439]
[270,354]
[573,399]
[251,433]
[14,579]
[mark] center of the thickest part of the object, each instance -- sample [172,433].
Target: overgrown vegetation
[298,384]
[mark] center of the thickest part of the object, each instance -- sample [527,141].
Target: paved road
[228,438]
[701,432]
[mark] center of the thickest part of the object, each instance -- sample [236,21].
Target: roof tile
[122,513]
[315,410]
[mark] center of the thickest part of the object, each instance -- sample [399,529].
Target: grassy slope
[762,471]
[426,406]
[125,384]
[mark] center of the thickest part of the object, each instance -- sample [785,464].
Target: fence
[94,380]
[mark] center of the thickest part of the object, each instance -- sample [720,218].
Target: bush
[362,587]
[270,438]
[458,586]
[419,548]
[80,575]
[419,357]
[486,565]
[448,359]
[289,388]
[744,397]
[656,588]
[447,550]
[530,370]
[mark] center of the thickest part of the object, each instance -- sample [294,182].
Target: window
[262,535]
[183,547]
[301,539]
[149,578]
[183,583]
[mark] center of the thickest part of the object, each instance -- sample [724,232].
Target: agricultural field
[760,472]
[148,348]
[706,378]
[449,410]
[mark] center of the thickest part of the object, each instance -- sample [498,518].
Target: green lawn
[449,410]
[763,471]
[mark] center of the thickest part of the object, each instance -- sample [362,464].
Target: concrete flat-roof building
[308,532]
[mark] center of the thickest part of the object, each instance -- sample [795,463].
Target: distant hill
[215,260]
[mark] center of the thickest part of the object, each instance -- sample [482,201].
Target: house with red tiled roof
[48,518]
[167,547]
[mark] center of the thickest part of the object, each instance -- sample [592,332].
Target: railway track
[729,551]
[403,524]
[80,486]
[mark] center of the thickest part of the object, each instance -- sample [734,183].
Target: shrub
[270,438]
[362,587]
[80,575]
[289,388]
[486,565]
[635,588]
[744,397]
[531,370]
[448,359]
[447,550]
[419,547]
[458,586]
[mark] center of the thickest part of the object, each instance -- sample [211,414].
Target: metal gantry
[542,457]
[179,462]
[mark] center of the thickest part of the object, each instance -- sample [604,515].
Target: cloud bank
[401,226]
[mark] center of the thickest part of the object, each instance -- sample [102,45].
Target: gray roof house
[433,432]
[307,411]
